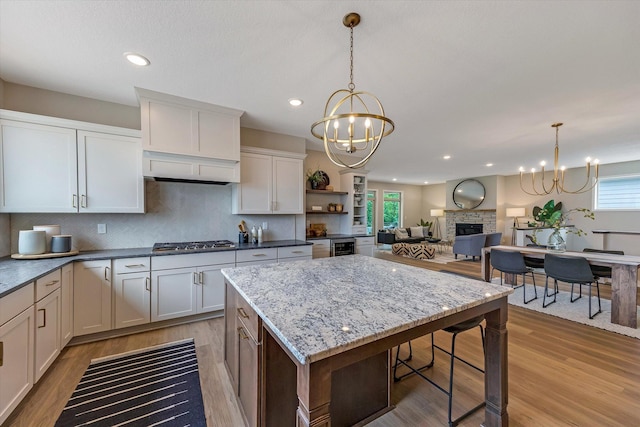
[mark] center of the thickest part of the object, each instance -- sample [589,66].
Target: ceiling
[481,81]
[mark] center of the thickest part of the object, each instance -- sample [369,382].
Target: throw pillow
[416,232]
[401,233]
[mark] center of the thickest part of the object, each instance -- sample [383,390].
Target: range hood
[185,140]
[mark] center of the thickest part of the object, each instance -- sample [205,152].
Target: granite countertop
[326,306]
[15,273]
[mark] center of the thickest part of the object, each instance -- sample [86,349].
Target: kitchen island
[307,343]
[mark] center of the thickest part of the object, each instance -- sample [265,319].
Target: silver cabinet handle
[297,252]
[195,278]
[134,265]
[259,255]
[53,282]
[148,283]
[107,273]
[44,318]
[201,278]
[83,201]
[73,200]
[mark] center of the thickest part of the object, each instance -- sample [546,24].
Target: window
[371,210]
[618,193]
[392,209]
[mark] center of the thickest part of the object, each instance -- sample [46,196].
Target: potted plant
[316,179]
[427,226]
[551,216]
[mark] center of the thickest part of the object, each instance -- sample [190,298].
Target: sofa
[472,244]
[391,236]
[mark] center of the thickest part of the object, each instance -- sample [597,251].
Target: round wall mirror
[468,194]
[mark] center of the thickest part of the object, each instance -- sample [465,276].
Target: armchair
[469,245]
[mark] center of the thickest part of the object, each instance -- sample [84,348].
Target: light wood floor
[560,374]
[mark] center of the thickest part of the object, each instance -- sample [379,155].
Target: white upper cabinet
[188,139]
[272,182]
[58,165]
[110,173]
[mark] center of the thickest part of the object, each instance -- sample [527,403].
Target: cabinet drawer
[360,241]
[193,260]
[257,255]
[47,284]
[294,251]
[248,317]
[132,265]
[359,229]
[16,302]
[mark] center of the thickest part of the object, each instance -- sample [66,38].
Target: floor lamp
[436,225]
[514,213]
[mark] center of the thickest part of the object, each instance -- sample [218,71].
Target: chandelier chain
[352,86]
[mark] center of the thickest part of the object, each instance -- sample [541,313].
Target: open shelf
[339,193]
[327,212]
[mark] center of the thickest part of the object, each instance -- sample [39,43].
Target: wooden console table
[624,278]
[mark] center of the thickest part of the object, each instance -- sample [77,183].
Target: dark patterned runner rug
[156,386]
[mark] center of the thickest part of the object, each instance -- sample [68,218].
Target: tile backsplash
[175,212]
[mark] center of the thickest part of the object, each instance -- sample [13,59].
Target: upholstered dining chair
[601,271]
[573,270]
[512,262]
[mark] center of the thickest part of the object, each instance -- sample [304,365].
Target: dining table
[624,277]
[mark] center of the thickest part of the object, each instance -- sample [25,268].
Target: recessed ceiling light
[447,157]
[394,179]
[136,59]
[295,102]
[426,182]
[489,165]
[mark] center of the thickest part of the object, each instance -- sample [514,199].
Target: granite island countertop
[15,273]
[326,306]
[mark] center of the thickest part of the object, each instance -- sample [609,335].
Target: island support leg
[314,395]
[496,368]
[624,291]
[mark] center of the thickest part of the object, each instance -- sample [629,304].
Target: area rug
[153,386]
[440,258]
[576,311]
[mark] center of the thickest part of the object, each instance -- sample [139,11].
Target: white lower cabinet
[321,248]
[66,302]
[365,245]
[132,291]
[16,348]
[294,253]
[91,297]
[47,335]
[183,285]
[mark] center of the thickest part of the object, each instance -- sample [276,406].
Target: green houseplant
[316,179]
[427,225]
[551,216]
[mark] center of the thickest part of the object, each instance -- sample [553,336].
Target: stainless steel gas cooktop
[192,246]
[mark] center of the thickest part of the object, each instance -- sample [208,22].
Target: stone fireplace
[486,217]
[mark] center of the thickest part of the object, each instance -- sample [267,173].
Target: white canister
[50,230]
[31,242]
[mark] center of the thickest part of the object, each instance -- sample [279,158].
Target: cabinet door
[231,336]
[132,299]
[91,297]
[248,384]
[16,369]
[288,186]
[211,288]
[110,173]
[321,248]
[218,135]
[47,335]
[253,195]
[166,127]
[30,152]
[173,293]
[66,305]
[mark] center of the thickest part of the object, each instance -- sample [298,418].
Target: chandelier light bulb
[562,168]
[543,163]
[588,159]
[596,161]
